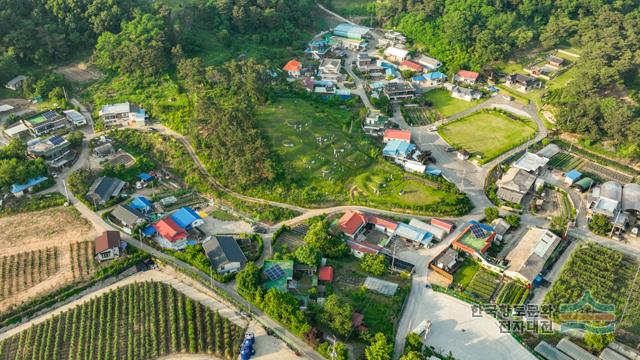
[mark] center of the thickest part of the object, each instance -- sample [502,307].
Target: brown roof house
[107,245]
[514,185]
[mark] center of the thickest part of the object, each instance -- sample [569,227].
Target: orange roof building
[293,67]
[467,76]
[410,65]
[170,234]
[394,134]
[351,223]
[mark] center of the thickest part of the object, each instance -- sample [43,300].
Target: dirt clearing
[79,73]
[33,241]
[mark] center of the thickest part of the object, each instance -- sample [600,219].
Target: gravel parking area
[455,329]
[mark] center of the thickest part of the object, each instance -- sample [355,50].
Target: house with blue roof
[572,176]
[19,189]
[417,235]
[146,177]
[142,204]
[398,149]
[187,218]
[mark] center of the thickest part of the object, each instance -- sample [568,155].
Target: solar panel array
[275,272]
[477,231]
[49,115]
[56,140]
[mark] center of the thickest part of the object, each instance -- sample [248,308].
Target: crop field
[324,153]
[487,134]
[512,293]
[445,105]
[419,116]
[25,269]
[139,321]
[483,285]
[38,251]
[565,162]
[609,276]
[606,173]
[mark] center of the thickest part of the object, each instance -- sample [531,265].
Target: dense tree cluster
[39,32]
[15,167]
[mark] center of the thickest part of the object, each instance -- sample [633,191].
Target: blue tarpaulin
[16,188]
[148,231]
[141,203]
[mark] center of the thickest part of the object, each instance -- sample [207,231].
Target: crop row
[483,285]
[23,270]
[82,259]
[138,321]
[513,294]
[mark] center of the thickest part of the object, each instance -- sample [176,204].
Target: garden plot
[483,285]
[565,162]
[606,173]
[512,293]
[37,252]
[419,116]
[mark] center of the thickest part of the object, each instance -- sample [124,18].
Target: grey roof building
[514,185]
[104,188]
[224,253]
[127,216]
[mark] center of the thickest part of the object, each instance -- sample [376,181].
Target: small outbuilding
[572,177]
[325,273]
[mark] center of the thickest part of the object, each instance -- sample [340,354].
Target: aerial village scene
[375,203]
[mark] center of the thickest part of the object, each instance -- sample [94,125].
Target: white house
[123,114]
[396,54]
[107,245]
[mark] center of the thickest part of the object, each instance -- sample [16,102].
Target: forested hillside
[601,100]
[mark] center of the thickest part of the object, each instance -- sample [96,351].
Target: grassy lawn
[325,157]
[446,105]
[351,7]
[487,133]
[465,273]
[222,215]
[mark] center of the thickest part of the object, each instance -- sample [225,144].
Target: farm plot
[419,116]
[609,276]
[82,260]
[138,321]
[25,269]
[483,285]
[565,162]
[29,239]
[606,173]
[512,293]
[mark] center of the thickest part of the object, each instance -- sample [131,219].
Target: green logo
[588,315]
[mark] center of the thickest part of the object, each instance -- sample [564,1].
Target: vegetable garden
[512,293]
[138,321]
[25,269]
[610,278]
[565,162]
[419,116]
[483,285]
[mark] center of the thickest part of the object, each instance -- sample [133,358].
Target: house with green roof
[45,122]
[277,274]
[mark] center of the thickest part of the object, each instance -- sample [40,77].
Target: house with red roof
[325,273]
[411,66]
[395,134]
[352,223]
[293,68]
[359,248]
[169,234]
[466,76]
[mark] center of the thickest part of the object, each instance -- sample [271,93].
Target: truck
[246,349]
[423,329]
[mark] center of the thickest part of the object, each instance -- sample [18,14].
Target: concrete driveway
[455,330]
[213,226]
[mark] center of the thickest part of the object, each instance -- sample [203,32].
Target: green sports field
[487,134]
[326,159]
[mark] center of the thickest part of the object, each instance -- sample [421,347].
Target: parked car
[449,149]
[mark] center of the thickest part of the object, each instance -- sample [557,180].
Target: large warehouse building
[351,31]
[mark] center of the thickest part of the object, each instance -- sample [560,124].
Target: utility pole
[211,276]
[393,257]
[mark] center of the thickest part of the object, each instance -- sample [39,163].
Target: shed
[18,189]
[104,150]
[437,232]
[325,273]
[549,151]
[585,183]
[187,218]
[141,203]
[549,352]
[572,176]
[566,346]
[442,224]
[412,233]
[146,177]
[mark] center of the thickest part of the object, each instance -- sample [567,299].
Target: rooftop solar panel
[275,272]
[55,140]
[49,115]
[477,231]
